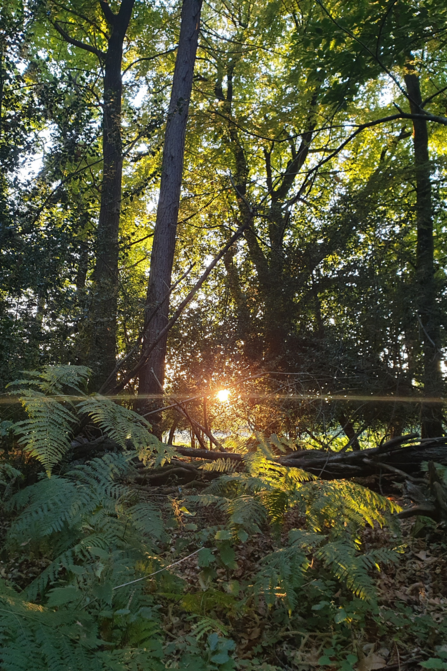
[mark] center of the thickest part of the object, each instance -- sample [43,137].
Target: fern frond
[54,380]
[119,423]
[246,512]
[220,465]
[146,519]
[46,434]
[349,567]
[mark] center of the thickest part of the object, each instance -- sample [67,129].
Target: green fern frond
[246,512]
[349,567]
[206,625]
[46,434]
[281,574]
[146,519]
[54,380]
[122,425]
[156,453]
[220,465]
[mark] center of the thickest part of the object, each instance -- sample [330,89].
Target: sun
[223,395]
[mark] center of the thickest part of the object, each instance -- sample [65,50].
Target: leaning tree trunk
[162,258]
[428,313]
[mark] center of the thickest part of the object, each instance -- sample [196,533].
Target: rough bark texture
[157,308]
[102,325]
[428,312]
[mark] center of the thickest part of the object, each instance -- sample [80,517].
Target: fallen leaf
[371,662]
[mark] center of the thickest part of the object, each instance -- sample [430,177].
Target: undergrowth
[103,600]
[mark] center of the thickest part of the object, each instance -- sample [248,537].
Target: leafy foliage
[334,514]
[54,413]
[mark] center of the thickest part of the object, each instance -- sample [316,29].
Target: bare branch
[77,43]
[150,58]
[145,355]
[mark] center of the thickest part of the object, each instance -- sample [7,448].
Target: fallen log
[402,456]
[405,460]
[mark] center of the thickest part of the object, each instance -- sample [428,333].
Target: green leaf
[321,605]
[434,663]
[223,535]
[62,595]
[103,592]
[205,557]
[98,552]
[213,641]
[340,616]
[220,658]
[325,661]
[227,555]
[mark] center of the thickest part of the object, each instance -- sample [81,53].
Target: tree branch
[109,16]
[150,58]
[145,355]
[371,124]
[77,43]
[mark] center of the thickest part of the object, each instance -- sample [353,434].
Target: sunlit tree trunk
[162,258]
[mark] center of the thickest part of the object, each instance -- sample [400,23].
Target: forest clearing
[223,311]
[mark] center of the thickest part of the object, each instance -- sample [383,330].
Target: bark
[153,372]
[273,275]
[103,320]
[349,430]
[428,312]
[402,457]
[104,299]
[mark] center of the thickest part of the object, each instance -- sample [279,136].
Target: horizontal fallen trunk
[393,456]
[402,456]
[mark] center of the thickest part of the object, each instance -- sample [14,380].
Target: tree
[102,354]
[162,258]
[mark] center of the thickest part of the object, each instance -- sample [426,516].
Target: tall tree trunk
[103,321]
[104,300]
[162,258]
[428,312]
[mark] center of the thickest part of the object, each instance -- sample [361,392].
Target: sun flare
[223,395]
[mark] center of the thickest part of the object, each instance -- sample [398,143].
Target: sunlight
[223,395]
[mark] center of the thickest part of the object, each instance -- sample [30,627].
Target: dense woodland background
[243,196]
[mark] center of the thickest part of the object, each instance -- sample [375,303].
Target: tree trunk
[157,303]
[104,298]
[428,313]
[103,318]
[349,430]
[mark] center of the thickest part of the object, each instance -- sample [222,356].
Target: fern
[46,434]
[121,424]
[334,514]
[221,466]
[83,513]
[53,414]
[43,639]
[352,568]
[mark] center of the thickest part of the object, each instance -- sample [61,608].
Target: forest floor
[400,633]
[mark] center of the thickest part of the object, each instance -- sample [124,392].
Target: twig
[146,577]
[111,377]
[387,467]
[145,355]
